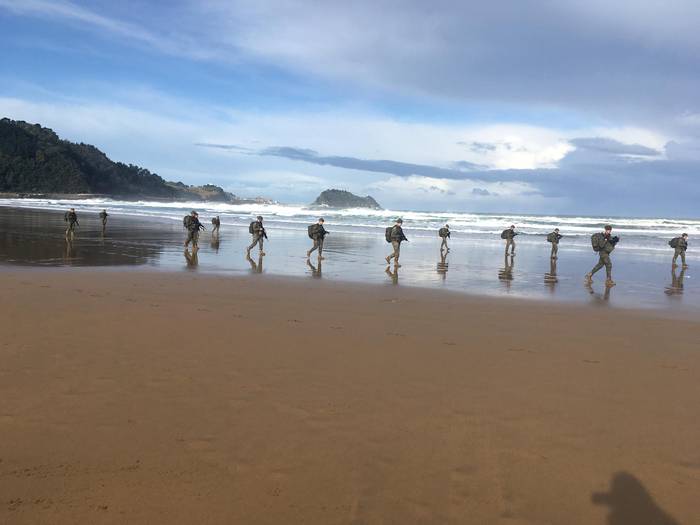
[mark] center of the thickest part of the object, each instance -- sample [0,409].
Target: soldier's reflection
[596,297]
[676,287]
[550,278]
[505,274]
[394,275]
[191,258]
[316,271]
[443,265]
[255,267]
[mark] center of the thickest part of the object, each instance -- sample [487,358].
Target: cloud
[635,60]
[614,147]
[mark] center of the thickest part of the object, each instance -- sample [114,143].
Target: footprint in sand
[294,321]
[336,327]
[449,343]
[591,361]
[396,334]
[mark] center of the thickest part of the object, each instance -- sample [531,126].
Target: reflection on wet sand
[676,286]
[39,237]
[443,265]
[550,278]
[255,267]
[597,297]
[393,275]
[214,242]
[505,274]
[316,271]
[192,258]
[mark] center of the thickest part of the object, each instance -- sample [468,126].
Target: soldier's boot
[263,253]
[308,254]
[609,283]
[684,266]
[588,278]
[388,259]
[674,265]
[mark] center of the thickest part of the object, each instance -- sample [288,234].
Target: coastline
[169,396]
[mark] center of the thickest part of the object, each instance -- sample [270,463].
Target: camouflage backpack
[552,237]
[387,233]
[597,241]
[505,234]
[313,230]
[673,243]
[251,228]
[443,232]
[187,221]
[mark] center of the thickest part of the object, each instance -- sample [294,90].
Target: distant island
[344,199]
[34,162]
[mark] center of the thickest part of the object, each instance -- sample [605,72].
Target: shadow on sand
[630,503]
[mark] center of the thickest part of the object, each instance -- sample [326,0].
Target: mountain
[344,199]
[34,160]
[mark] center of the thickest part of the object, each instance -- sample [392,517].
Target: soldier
[509,235]
[72,219]
[258,232]
[680,245]
[103,218]
[603,243]
[317,232]
[192,224]
[444,234]
[216,224]
[554,238]
[395,236]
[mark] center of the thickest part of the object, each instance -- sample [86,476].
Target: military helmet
[608,227]
[400,221]
[259,217]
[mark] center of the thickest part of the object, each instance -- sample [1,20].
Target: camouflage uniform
[680,249]
[216,223]
[258,236]
[72,219]
[604,258]
[397,237]
[103,217]
[510,241]
[444,233]
[555,237]
[193,232]
[319,235]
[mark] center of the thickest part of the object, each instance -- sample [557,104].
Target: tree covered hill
[33,159]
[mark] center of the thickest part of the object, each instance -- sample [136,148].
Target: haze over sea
[150,233]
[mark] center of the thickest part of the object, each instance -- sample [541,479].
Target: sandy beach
[157,397]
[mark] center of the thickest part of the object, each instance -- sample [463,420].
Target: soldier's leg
[261,242]
[608,266]
[397,250]
[512,246]
[683,257]
[676,253]
[195,239]
[313,248]
[600,264]
[320,247]
[252,244]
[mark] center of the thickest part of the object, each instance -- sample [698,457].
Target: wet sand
[645,280]
[159,397]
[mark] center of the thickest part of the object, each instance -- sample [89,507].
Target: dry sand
[146,398]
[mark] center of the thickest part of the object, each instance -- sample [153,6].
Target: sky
[523,106]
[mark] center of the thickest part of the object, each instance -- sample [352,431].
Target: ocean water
[150,235]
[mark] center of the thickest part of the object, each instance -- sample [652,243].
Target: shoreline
[141,397]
